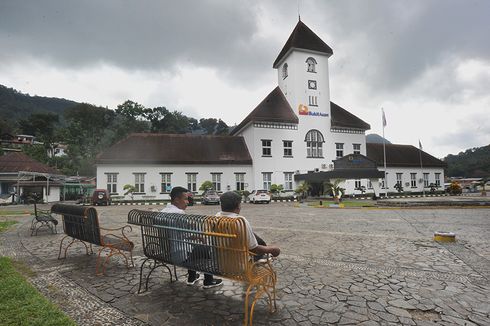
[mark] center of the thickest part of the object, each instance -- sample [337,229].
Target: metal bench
[209,244]
[43,219]
[81,224]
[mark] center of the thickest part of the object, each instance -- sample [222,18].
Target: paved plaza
[364,266]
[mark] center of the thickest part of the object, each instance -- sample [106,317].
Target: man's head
[178,197]
[230,202]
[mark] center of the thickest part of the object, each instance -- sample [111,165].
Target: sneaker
[194,280]
[214,283]
[264,258]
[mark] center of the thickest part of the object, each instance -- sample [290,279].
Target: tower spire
[299,16]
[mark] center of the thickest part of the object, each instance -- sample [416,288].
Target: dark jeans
[200,253]
[203,252]
[261,243]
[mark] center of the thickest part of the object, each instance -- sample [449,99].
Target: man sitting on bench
[178,204]
[230,207]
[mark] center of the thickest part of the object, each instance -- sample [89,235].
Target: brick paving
[338,266]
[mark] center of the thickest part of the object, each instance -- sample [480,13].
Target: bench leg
[73,240]
[155,266]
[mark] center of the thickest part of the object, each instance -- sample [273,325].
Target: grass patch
[6,224]
[347,203]
[22,304]
[16,212]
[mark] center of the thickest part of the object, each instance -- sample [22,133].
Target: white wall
[349,185]
[179,177]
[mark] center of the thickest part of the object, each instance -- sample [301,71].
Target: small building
[23,176]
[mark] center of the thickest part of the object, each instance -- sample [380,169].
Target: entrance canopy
[352,166]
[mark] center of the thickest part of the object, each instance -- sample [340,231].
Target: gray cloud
[475,134]
[397,41]
[134,34]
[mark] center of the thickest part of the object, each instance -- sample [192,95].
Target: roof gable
[177,149]
[341,118]
[303,38]
[14,162]
[274,108]
[401,155]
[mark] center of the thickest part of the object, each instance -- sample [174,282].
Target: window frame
[163,190]
[354,150]
[240,181]
[191,184]
[287,149]
[266,147]
[437,179]
[139,182]
[267,183]
[339,148]
[425,177]
[285,70]
[288,180]
[216,183]
[314,144]
[399,178]
[413,180]
[111,184]
[311,63]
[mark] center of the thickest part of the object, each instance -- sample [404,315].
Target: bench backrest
[79,222]
[216,245]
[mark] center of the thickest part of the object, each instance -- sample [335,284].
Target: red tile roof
[146,148]
[17,161]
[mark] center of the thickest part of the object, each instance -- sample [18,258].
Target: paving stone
[398,312]
[401,304]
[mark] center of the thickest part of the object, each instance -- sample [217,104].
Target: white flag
[384,118]
[420,145]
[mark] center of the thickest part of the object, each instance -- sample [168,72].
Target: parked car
[260,196]
[210,197]
[101,197]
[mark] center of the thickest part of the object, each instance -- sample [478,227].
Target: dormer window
[311,64]
[284,71]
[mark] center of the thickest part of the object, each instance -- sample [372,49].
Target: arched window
[314,143]
[284,70]
[311,64]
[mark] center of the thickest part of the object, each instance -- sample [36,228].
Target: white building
[296,133]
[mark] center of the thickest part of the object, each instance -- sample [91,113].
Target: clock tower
[302,67]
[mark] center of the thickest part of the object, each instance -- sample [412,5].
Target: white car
[260,196]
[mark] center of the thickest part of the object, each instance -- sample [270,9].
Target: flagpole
[384,151]
[422,168]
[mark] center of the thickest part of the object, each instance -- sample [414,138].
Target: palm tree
[302,189]
[335,189]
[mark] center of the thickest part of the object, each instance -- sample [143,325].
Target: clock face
[312,84]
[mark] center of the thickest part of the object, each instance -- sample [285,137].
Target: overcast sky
[426,62]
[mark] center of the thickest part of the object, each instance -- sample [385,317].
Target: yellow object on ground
[442,236]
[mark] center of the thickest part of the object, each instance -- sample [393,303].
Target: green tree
[275,189]
[41,125]
[37,152]
[130,190]
[206,185]
[131,110]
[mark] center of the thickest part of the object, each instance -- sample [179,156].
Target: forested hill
[474,162]
[15,105]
